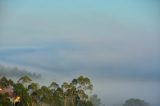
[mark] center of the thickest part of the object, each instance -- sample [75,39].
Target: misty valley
[26,92]
[79,52]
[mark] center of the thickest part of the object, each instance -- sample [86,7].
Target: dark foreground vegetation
[27,93]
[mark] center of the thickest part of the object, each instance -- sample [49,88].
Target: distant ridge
[16,72]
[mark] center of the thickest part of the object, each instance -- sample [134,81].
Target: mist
[114,43]
[14,72]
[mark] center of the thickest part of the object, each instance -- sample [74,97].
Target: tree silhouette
[135,102]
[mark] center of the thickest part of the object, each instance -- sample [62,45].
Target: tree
[82,84]
[33,87]
[28,93]
[4,100]
[85,103]
[53,86]
[65,87]
[58,97]
[46,95]
[24,79]
[22,92]
[4,82]
[95,100]
[135,102]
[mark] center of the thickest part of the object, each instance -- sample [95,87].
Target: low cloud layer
[108,41]
[106,64]
[17,73]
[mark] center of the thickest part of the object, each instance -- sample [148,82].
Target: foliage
[135,102]
[31,94]
[67,94]
[95,100]
[4,82]
[21,91]
[4,100]
[24,79]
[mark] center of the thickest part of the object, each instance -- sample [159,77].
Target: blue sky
[114,42]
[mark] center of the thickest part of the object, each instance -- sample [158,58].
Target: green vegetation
[25,92]
[135,102]
[32,94]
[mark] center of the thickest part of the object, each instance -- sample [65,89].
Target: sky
[114,42]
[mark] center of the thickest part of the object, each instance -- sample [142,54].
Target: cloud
[106,63]
[100,40]
[15,72]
